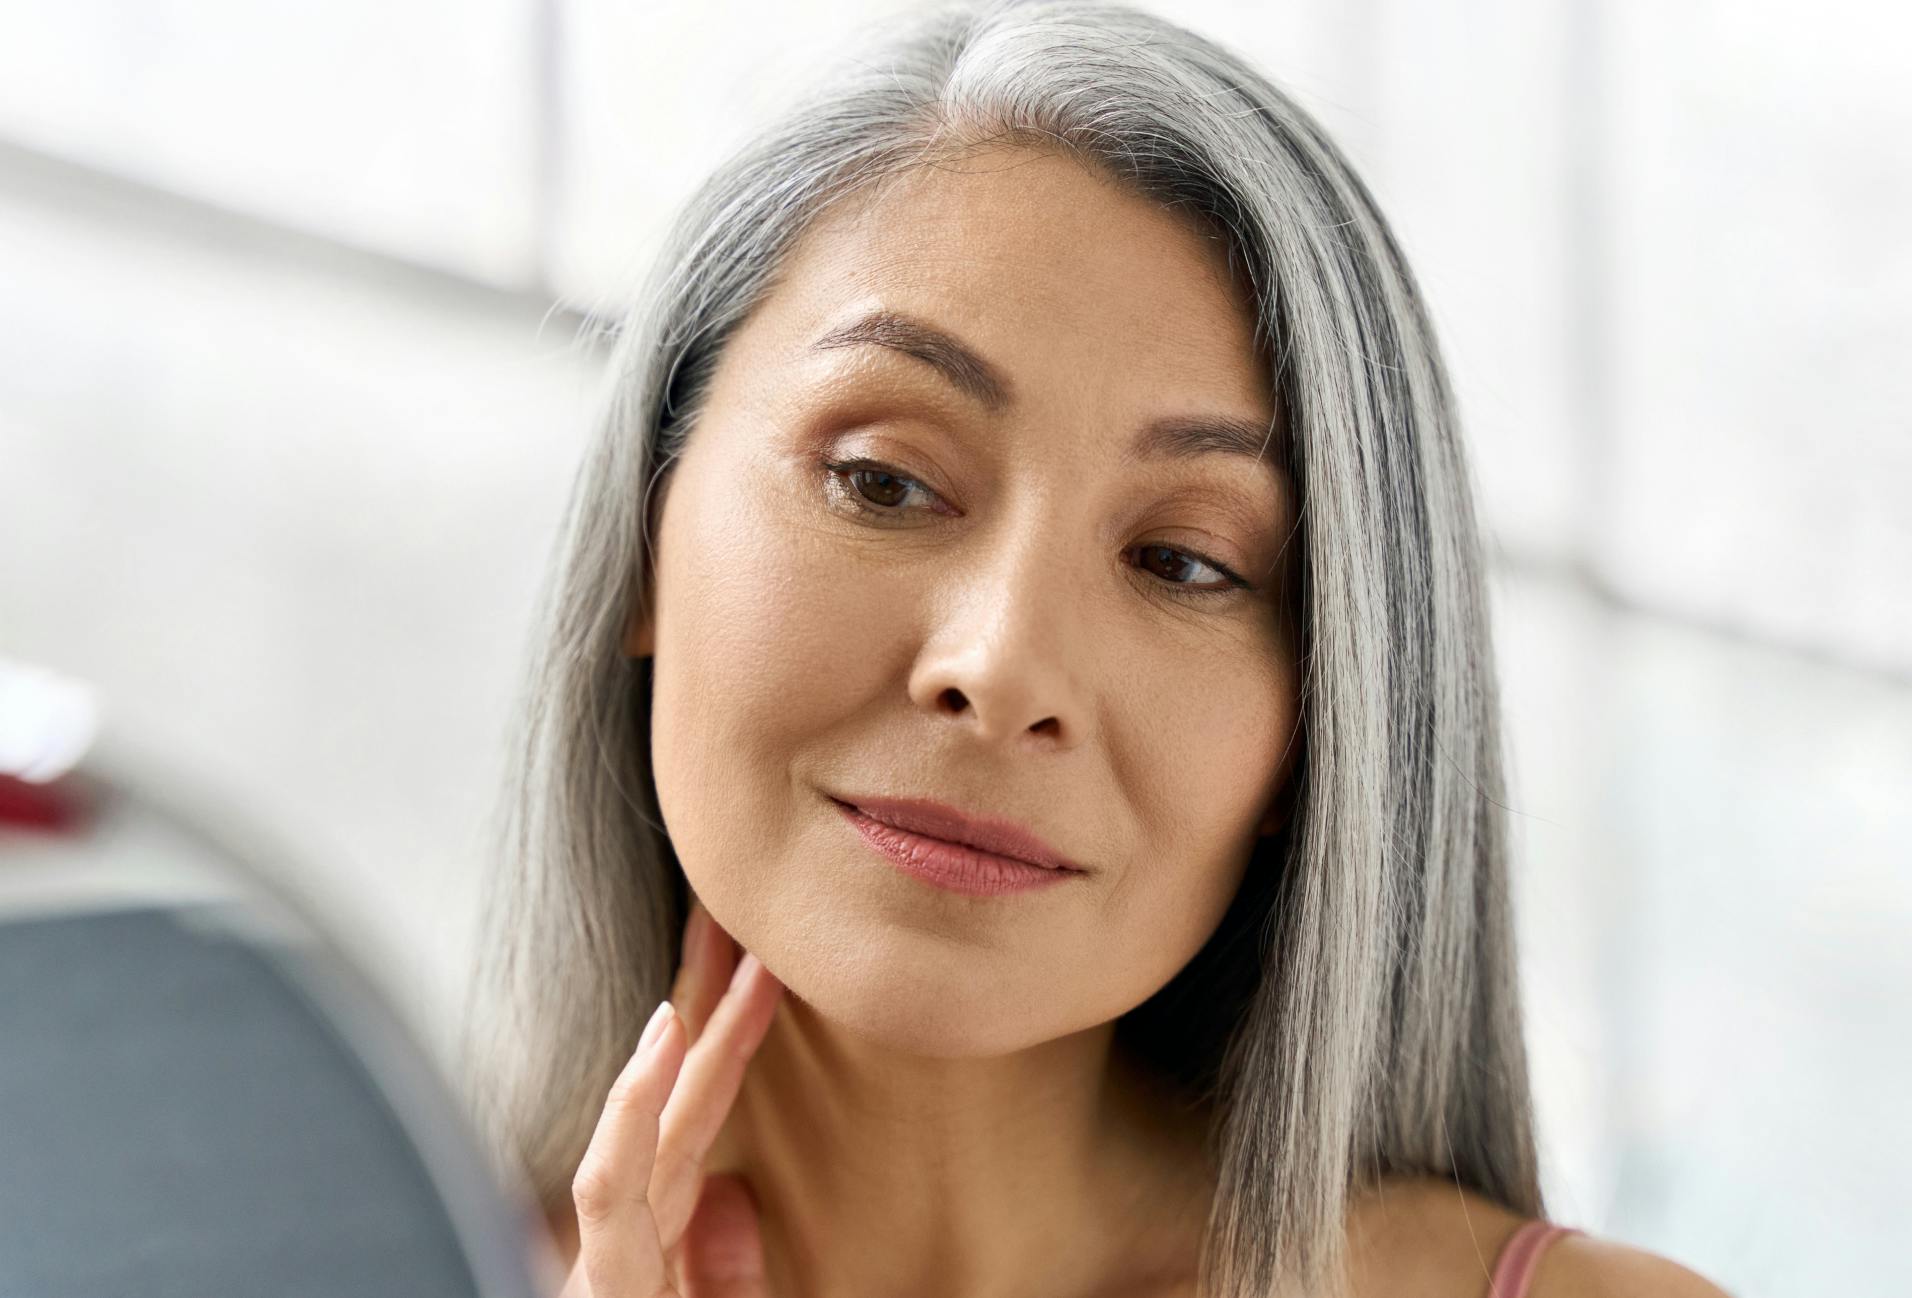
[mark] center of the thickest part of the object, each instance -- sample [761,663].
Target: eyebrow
[1173,437]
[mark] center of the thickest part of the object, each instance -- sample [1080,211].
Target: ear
[640,639]
[1282,806]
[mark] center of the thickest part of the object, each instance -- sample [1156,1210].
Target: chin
[904,1008]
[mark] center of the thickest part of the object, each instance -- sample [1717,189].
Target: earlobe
[639,642]
[1281,809]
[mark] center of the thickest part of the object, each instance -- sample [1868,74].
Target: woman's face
[1015,621]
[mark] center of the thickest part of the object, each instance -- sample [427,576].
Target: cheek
[759,628]
[756,622]
[1232,735]
[1202,779]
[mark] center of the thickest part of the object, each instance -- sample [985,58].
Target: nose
[1009,657]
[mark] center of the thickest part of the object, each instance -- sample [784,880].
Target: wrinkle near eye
[1238,524]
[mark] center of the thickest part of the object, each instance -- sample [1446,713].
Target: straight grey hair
[1355,1015]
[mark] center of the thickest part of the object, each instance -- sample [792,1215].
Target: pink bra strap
[1514,1269]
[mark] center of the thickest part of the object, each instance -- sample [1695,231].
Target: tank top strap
[1514,1268]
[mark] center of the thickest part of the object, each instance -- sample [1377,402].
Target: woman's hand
[649,1222]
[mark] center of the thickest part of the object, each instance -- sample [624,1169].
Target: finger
[723,1246]
[619,1249]
[713,1071]
[721,950]
[686,985]
[710,957]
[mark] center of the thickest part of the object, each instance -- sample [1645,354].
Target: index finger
[713,1073]
[619,1249]
[709,959]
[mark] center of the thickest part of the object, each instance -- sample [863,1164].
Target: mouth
[938,820]
[951,849]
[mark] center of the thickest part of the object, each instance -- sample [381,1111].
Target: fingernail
[655,1028]
[745,966]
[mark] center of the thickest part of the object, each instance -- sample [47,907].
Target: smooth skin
[647,1220]
[1007,615]
[689,1234]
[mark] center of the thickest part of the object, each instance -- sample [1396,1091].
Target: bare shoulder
[1424,1235]
[1586,1266]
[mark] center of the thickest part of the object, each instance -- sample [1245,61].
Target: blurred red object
[48,722]
[58,806]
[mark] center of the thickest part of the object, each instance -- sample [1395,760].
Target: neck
[1053,1170]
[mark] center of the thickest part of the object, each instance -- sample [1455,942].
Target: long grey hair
[1356,1013]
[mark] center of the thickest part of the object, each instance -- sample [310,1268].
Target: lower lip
[952,865]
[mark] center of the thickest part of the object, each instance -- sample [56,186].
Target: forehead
[1078,287]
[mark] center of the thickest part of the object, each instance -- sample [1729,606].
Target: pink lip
[963,853]
[940,820]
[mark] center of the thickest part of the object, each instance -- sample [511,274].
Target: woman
[1020,687]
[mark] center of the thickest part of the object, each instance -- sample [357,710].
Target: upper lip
[954,825]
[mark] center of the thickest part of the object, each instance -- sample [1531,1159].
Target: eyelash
[842,471]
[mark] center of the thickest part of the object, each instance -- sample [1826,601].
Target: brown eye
[874,489]
[886,489]
[1173,566]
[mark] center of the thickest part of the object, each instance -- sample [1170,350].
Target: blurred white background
[290,393]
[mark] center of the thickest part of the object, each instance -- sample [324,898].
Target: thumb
[723,1244]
